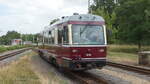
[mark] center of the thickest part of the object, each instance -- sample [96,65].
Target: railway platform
[144,58]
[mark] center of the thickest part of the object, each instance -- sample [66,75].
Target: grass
[122,57]
[123,48]
[44,71]
[22,72]
[18,72]
[124,53]
[3,48]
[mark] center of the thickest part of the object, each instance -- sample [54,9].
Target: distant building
[27,42]
[16,41]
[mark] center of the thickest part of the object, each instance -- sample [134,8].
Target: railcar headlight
[101,50]
[74,50]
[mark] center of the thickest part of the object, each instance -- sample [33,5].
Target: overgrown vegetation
[122,57]
[19,72]
[132,49]
[6,48]
[124,53]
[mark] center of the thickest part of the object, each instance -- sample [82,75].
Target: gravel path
[119,76]
[47,73]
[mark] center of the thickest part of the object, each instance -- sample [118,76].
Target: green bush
[2,49]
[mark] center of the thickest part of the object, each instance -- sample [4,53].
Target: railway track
[130,67]
[12,54]
[80,77]
[86,78]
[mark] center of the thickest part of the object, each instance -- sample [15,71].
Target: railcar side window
[60,36]
[52,37]
[65,35]
[46,37]
[39,38]
[43,39]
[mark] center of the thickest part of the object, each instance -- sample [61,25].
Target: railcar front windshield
[88,35]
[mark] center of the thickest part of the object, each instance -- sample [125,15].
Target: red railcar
[77,42]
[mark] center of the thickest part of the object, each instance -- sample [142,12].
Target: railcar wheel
[53,61]
[60,69]
[80,70]
[57,65]
[40,54]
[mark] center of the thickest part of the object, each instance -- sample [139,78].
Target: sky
[30,16]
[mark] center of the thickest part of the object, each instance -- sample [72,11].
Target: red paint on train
[71,55]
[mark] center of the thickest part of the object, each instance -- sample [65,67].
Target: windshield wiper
[83,30]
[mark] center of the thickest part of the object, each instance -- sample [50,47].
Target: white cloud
[30,16]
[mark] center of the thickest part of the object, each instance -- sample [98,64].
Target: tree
[6,39]
[29,37]
[107,5]
[13,35]
[105,8]
[133,17]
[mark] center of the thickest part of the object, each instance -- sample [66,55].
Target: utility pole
[43,38]
[0,41]
[33,39]
[21,43]
[89,8]
[37,39]
[21,38]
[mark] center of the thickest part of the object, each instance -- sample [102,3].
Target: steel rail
[13,54]
[87,78]
[129,67]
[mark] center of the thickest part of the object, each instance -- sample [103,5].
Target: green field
[124,53]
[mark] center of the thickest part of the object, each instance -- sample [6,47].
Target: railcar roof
[77,17]
[81,17]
